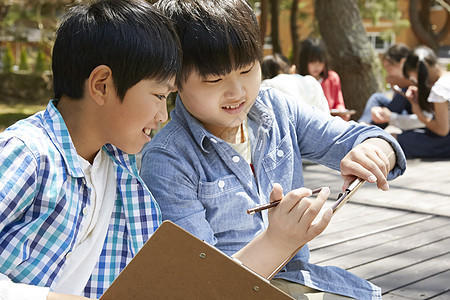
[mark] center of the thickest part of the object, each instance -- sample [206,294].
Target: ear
[100,84]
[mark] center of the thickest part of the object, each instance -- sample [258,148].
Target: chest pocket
[226,202]
[278,164]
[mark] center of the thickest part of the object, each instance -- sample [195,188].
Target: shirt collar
[59,135]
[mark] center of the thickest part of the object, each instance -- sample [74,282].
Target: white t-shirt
[440,91]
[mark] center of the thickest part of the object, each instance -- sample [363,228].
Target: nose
[234,89]
[161,115]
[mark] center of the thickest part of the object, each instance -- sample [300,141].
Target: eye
[247,71]
[161,97]
[213,80]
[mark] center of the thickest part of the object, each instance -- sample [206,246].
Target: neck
[228,134]
[434,73]
[76,117]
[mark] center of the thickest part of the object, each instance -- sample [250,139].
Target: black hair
[417,61]
[396,52]
[312,50]
[272,65]
[129,36]
[217,36]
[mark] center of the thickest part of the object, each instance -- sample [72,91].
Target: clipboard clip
[349,191]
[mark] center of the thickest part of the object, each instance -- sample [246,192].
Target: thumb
[277,193]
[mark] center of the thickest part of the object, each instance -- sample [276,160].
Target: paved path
[399,239]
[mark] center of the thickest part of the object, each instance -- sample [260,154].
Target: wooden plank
[327,253]
[443,296]
[437,285]
[371,261]
[358,231]
[402,278]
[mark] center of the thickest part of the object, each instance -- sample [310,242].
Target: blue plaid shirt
[42,195]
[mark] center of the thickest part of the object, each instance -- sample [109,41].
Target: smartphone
[399,91]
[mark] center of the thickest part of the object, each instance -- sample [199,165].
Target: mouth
[147,131]
[234,108]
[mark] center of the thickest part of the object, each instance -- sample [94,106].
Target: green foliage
[23,65]
[41,64]
[8,60]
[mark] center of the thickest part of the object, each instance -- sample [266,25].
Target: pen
[252,211]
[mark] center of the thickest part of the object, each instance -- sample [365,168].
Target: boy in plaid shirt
[73,210]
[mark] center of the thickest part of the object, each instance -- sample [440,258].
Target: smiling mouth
[147,131]
[233,106]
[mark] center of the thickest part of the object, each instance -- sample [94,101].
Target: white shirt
[304,88]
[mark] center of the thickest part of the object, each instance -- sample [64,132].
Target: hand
[291,222]
[371,160]
[56,296]
[380,115]
[345,117]
[412,95]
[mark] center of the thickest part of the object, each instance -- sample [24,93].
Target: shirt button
[68,255]
[280,153]
[85,211]
[213,140]
[221,184]
[236,159]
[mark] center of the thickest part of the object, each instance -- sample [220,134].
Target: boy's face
[221,103]
[128,123]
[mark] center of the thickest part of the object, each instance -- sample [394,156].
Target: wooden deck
[399,239]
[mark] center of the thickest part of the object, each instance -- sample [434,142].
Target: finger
[292,198]
[313,210]
[277,193]
[348,179]
[316,229]
[378,164]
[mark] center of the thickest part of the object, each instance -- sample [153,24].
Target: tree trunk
[263,19]
[351,54]
[274,22]
[419,17]
[294,33]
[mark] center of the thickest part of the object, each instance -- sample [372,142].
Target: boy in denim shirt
[229,142]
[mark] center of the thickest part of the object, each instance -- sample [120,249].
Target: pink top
[332,90]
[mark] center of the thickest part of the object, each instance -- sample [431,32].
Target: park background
[356,33]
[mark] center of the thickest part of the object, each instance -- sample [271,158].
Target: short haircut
[272,65]
[312,50]
[415,62]
[129,36]
[396,52]
[217,36]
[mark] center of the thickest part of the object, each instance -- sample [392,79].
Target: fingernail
[385,187]
[372,179]
[326,190]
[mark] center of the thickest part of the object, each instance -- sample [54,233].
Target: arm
[356,150]
[439,124]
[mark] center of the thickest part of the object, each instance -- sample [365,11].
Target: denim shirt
[202,184]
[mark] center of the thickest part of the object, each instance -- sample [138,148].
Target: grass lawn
[9,114]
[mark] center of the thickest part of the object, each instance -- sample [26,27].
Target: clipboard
[174,264]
